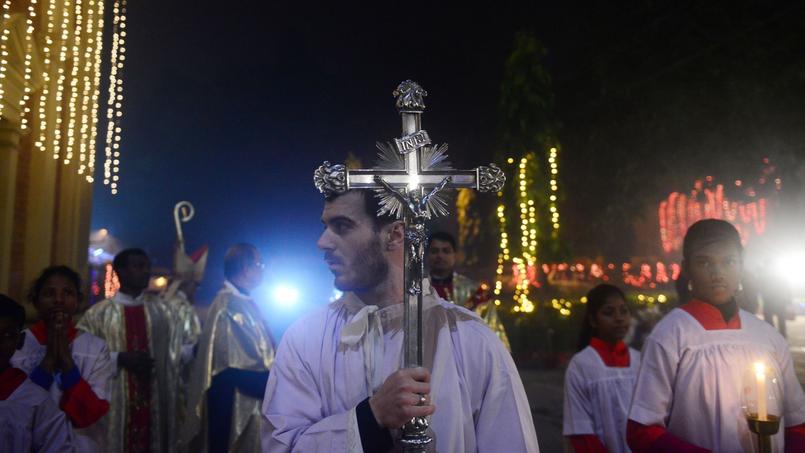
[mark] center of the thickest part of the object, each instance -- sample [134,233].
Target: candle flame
[760,369]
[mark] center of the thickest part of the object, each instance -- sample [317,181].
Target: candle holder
[761,402]
[764,430]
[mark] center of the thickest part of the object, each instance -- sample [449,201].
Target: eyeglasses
[260,265]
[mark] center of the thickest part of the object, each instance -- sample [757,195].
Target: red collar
[710,317]
[40,331]
[10,379]
[613,355]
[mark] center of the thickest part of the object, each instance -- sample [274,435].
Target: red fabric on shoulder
[613,355]
[40,332]
[82,405]
[710,317]
[587,443]
[795,439]
[10,379]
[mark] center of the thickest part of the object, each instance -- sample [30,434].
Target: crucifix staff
[410,180]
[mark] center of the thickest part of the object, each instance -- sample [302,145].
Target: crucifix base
[415,435]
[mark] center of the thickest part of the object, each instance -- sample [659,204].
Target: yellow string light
[86,92]
[72,109]
[96,88]
[114,112]
[528,239]
[25,107]
[4,50]
[41,142]
[503,251]
[61,80]
[553,160]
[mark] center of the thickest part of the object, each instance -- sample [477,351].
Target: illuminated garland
[61,80]
[4,50]
[111,284]
[528,239]
[83,141]
[96,84]
[71,49]
[25,108]
[44,96]
[72,109]
[114,111]
[553,161]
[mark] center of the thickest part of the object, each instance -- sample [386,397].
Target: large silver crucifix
[409,179]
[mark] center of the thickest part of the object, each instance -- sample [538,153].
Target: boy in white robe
[688,396]
[336,383]
[73,366]
[29,420]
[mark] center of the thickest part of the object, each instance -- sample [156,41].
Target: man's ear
[395,235]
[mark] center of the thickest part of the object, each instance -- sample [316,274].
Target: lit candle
[760,374]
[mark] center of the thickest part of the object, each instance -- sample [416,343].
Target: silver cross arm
[336,178]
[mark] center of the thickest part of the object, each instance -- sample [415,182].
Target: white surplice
[31,422]
[333,359]
[597,397]
[92,359]
[691,379]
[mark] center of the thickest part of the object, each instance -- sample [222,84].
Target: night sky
[232,106]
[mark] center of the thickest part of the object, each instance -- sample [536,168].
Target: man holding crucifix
[391,353]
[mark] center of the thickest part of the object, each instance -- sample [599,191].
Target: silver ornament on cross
[410,179]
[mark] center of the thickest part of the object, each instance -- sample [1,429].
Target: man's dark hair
[442,236]
[707,231]
[371,205]
[10,309]
[122,259]
[63,271]
[238,258]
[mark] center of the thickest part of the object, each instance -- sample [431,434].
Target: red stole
[139,407]
[444,289]
[613,355]
[710,317]
[10,379]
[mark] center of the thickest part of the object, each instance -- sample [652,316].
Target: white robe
[333,359]
[31,422]
[92,359]
[597,397]
[690,381]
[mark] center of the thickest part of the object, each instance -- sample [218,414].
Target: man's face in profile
[352,246]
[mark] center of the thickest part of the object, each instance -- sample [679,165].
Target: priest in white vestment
[336,383]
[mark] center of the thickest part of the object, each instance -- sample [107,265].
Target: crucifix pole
[410,179]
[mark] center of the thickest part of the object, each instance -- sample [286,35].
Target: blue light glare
[285,295]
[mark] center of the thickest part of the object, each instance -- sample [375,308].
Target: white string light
[41,142]
[96,88]
[4,51]
[553,160]
[25,107]
[114,113]
[74,89]
[61,80]
[86,93]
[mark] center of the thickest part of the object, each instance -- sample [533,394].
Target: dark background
[232,106]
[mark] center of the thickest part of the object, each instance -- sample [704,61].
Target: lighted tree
[528,212]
